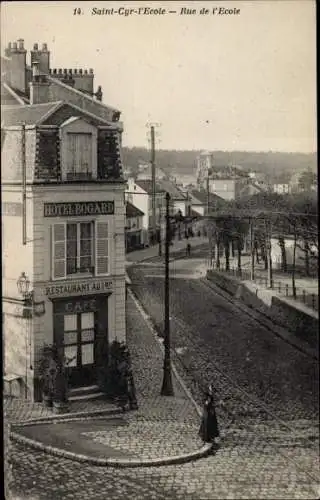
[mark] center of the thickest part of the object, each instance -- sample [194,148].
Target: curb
[112,462]
[67,416]
[149,322]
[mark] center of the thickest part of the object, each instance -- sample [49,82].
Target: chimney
[39,86]
[42,57]
[17,54]
[98,94]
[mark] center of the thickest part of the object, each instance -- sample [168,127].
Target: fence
[284,289]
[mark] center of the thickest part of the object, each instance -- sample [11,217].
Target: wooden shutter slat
[102,248]
[59,250]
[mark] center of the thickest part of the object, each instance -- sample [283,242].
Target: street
[267,407]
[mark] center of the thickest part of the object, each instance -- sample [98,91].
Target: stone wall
[295,318]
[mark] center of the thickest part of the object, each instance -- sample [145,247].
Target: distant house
[133,227]
[276,255]
[139,194]
[199,202]
[145,172]
[281,188]
[179,199]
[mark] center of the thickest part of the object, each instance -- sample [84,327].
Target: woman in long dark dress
[209,429]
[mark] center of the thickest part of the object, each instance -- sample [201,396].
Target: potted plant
[47,374]
[116,379]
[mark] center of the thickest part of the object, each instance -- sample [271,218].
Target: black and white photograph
[159,213]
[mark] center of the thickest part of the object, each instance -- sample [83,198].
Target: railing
[285,289]
[79,176]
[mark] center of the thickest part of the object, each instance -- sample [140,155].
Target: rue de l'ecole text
[160,11]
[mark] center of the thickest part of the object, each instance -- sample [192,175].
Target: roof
[29,114]
[36,114]
[200,198]
[146,185]
[172,189]
[9,97]
[132,211]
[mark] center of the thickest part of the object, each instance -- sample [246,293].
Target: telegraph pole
[252,247]
[167,386]
[24,185]
[209,224]
[153,180]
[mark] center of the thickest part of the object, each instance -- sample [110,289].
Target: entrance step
[84,393]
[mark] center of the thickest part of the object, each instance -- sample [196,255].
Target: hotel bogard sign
[77,209]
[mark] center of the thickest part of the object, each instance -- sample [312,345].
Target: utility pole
[268,232]
[209,224]
[160,237]
[153,180]
[252,247]
[24,185]
[167,386]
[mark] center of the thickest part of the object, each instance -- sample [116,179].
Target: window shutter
[102,248]
[59,251]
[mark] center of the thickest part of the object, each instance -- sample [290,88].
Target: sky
[244,81]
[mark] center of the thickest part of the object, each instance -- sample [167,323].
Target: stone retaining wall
[297,320]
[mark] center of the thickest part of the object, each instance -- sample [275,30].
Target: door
[79,348]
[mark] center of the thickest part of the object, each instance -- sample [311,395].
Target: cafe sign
[76,209]
[67,289]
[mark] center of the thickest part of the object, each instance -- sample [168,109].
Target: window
[79,156]
[80,247]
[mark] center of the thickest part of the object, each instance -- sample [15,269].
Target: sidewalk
[163,430]
[307,289]
[152,252]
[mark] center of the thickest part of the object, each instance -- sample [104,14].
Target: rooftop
[132,211]
[36,114]
[201,197]
[29,114]
[146,185]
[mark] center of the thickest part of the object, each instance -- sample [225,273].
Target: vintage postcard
[159,250]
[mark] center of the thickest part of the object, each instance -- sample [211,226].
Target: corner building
[63,218]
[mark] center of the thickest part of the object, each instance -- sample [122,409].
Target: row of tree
[259,218]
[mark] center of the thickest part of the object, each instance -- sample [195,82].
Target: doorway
[79,347]
[81,333]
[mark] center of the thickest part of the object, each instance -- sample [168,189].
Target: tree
[307,179]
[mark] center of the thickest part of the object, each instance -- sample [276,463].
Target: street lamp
[29,305]
[167,386]
[23,285]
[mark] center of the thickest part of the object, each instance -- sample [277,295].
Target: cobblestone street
[246,466]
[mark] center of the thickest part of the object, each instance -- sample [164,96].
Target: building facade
[281,188]
[63,221]
[139,193]
[133,227]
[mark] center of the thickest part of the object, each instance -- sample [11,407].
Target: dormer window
[78,150]
[79,160]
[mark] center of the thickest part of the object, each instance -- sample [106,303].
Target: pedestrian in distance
[188,250]
[209,429]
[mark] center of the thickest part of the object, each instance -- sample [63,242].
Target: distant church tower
[204,164]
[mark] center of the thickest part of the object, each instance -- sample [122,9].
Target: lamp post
[23,285]
[167,386]
[30,309]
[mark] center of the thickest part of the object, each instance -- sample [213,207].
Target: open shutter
[59,250]
[102,248]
